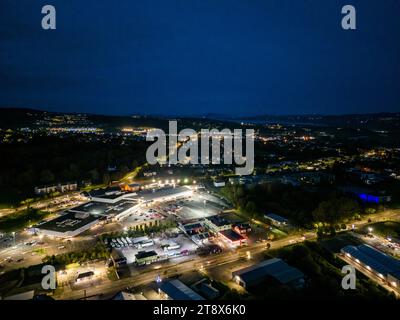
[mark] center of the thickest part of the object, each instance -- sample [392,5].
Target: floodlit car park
[196,206]
[166,247]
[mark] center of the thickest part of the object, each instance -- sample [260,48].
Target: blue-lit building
[373,198]
[367,195]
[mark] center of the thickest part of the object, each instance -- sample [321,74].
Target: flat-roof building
[108,195]
[116,210]
[276,219]
[233,237]
[67,225]
[384,266]
[146,257]
[177,290]
[273,268]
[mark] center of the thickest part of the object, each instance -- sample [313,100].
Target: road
[170,270]
[207,262]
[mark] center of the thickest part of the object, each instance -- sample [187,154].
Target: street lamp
[248,254]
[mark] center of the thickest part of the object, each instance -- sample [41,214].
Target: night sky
[201,56]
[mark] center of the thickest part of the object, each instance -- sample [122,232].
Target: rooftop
[275,268]
[149,195]
[85,274]
[218,221]
[177,290]
[377,260]
[103,209]
[145,254]
[70,221]
[232,235]
[276,217]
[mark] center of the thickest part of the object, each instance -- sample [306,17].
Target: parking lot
[171,246]
[196,206]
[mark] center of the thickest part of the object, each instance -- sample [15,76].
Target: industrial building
[177,290]
[108,195]
[274,268]
[110,211]
[68,225]
[276,220]
[382,265]
[108,203]
[163,194]
[116,194]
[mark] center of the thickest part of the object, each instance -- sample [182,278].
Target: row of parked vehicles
[122,242]
[118,242]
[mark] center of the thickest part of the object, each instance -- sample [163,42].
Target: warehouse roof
[149,195]
[276,217]
[104,209]
[70,221]
[177,290]
[375,259]
[275,268]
